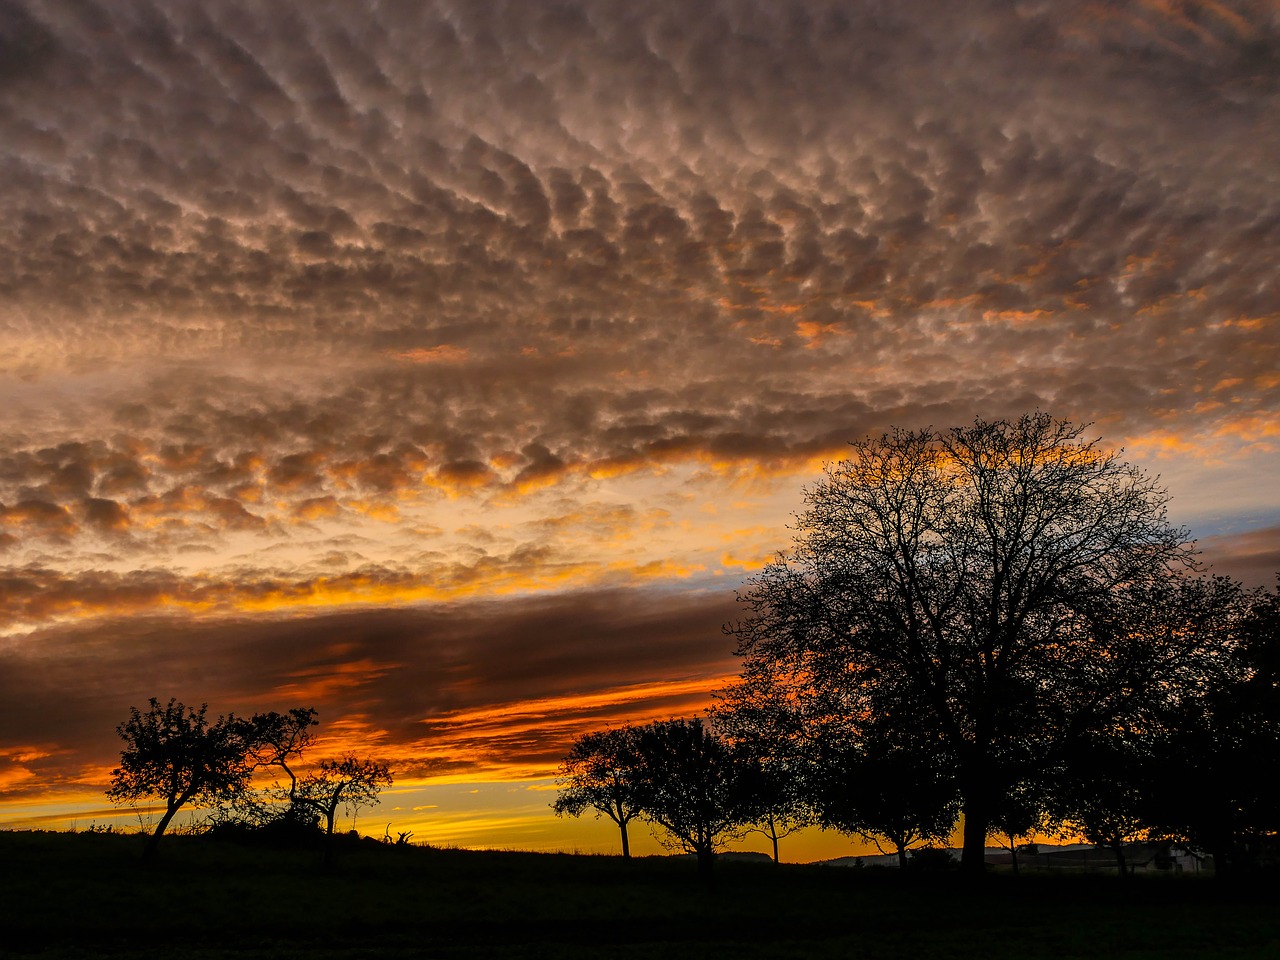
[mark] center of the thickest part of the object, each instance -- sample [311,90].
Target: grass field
[86,895]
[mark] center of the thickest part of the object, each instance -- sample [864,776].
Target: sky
[447,366]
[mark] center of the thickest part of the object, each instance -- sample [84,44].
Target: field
[86,895]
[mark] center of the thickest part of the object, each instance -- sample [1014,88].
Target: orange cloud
[444,353]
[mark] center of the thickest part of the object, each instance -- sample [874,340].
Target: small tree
[278,740]
[600,774]
[883,791]
[173,754]
[349,782]
[1021,814]
[690,784]
[1101,792]
[776,773]
[773,801]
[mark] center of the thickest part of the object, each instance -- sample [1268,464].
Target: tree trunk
[902,854]
[773,835]
[149,851]
[330,814]
[973,855]
[976,789]
[1013,856]
[626,846]
[1121,865]
[706,864]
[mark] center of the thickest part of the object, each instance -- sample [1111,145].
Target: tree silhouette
[173,754]
[348,781]
[1218,745]
[900,789]
[600,773]
[972,572]
[1020,814]
[1101,792]
[775,798]
[690,784]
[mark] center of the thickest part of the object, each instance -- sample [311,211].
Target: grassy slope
[86,895]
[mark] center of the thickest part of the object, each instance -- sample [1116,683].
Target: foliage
[969,579]
[174,754]
[599,773]
[1020,814]
[774,800]
[898,790]
[1100,793]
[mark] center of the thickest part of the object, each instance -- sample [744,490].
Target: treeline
[996,622]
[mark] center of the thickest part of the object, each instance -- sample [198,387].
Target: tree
[1102,790]
[600,773]
[773,798]
[278,740]
[1217,747]
[172,753]
[1019,815]
[899,790]
[348,781]
[690,784]
[969,575]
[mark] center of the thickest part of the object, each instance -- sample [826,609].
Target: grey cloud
[1252,557]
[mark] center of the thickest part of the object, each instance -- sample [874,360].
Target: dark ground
[86,895]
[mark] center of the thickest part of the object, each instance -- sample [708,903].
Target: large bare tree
[971,585]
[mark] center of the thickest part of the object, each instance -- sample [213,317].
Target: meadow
[86,895]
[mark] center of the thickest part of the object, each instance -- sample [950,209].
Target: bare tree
[969,574]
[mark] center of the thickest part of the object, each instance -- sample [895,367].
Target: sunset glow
[447,366]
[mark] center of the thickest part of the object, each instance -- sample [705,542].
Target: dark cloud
[410,674]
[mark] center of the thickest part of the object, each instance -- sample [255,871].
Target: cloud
[1252,556]
[540,672]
